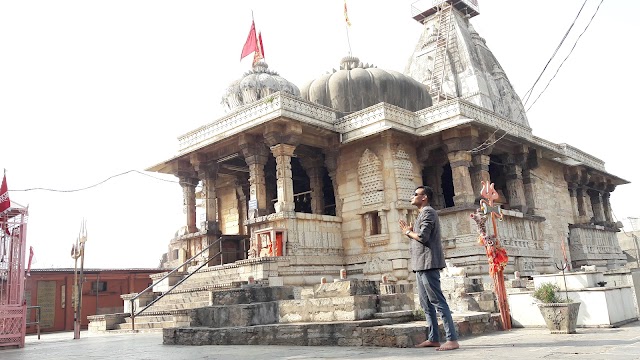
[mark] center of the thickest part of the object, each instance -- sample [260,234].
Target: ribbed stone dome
[256,84]
[357,86]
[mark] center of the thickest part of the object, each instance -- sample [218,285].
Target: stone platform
[375,332]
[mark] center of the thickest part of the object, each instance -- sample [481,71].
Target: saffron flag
[5,203]
[251,44]
[346,16]
[259,53]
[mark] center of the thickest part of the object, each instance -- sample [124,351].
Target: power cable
[99,183]
[565,59]
[530,91]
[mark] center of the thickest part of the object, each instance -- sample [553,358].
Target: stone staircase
[344,313]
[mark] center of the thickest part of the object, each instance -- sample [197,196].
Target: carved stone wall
[594,245]
[553,202]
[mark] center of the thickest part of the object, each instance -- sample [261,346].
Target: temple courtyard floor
[531,343]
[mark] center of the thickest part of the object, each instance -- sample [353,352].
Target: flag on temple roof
[5,203]
[259,52]
[251,44]
[346,16]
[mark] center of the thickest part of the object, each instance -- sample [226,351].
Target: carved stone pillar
[384,228]
[331,162]
[573,193]
[479,172]
[584,205]
[283,154]
[596,206]
[189,197]
[515,185]
[312,164]
[529,181]
[210,200]
[242,208]
[460,162]
[606,206]
[256,156]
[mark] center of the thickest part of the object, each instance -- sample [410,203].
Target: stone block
[345,288]
[399,264]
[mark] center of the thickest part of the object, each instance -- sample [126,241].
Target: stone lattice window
[370,176]
[404,174]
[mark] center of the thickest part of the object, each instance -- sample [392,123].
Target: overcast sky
[91,89]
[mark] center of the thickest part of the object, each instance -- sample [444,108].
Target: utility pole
[77,252]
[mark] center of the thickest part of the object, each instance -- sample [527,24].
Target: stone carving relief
[370,178]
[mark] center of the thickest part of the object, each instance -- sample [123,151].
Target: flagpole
[348,41]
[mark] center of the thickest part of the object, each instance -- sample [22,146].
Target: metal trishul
[489,194]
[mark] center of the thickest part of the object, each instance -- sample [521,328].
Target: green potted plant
[560,314]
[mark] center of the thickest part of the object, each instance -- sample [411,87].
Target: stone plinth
[575,280]
[138,303]
[166,284]
[600,307]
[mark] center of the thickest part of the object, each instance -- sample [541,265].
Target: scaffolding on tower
[444,32]
[13,306]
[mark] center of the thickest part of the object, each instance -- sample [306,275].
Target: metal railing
[37,322]
[133,310]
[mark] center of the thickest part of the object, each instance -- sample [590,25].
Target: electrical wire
[565,59]
[527,95]
[99,183]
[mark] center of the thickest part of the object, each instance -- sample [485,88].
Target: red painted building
[52,290]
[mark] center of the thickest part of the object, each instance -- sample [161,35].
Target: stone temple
[296,183]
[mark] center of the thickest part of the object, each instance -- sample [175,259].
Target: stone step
[147,325]
[376,332]
[402,314]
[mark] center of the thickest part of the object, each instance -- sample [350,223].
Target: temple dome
[357,86]
[256,84]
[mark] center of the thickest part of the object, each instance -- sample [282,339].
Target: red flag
[5,203]
[261,46]
[259,53]
[251,43]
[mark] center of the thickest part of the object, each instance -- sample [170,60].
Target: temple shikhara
[303,185]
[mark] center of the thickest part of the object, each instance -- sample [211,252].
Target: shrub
[546,293]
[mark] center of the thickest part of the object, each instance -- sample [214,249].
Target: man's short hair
[427,191]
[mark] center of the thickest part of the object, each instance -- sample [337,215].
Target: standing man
[427,258]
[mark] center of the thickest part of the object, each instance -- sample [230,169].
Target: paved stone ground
[595,343]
